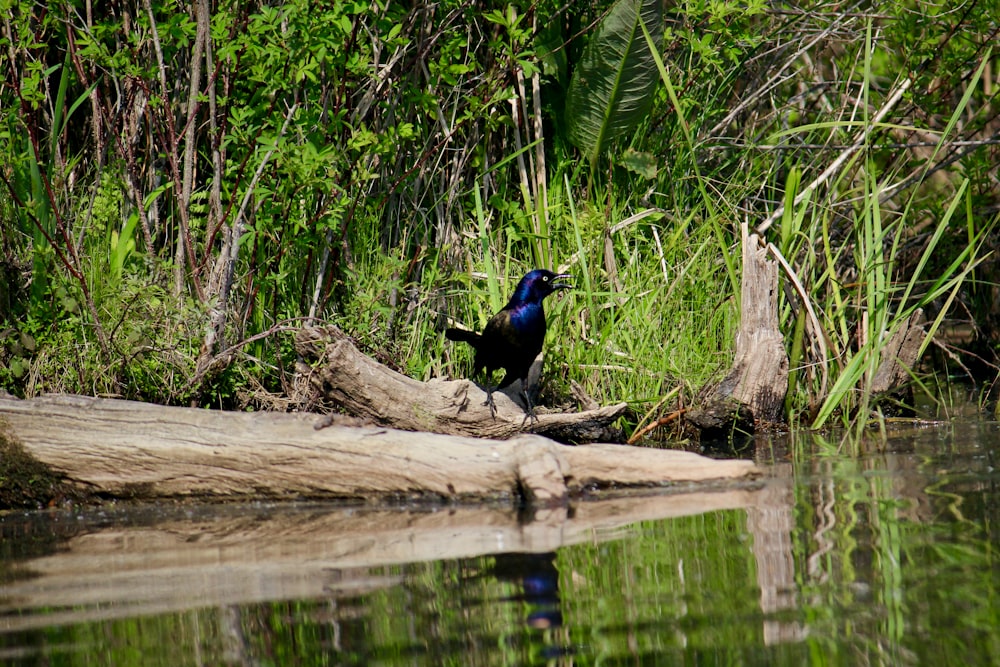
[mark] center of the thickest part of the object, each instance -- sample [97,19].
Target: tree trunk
[900,354]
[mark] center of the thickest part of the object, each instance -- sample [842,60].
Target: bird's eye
[545,278]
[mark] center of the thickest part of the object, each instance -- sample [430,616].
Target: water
[886,558]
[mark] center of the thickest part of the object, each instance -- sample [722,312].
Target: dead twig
[659,423]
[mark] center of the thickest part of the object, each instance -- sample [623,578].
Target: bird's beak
[558,285]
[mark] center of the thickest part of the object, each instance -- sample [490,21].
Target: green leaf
[641,163]
[612,87]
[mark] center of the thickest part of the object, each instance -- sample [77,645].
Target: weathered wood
[900,354]
[361,386]
[760,365]
[124,448]
[758,378]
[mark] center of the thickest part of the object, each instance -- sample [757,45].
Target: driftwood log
[129,449]
[362,387]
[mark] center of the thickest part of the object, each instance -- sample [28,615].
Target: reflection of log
[365,388]
[129,449]
[758,379]
[239,555]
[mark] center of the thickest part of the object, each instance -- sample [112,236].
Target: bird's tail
[461,335]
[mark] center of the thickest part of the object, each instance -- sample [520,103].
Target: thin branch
[817,330]
[834,166]
[652,426]
[185,246]
[227,263]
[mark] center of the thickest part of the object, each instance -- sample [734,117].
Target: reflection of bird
[514,336]
[539,581]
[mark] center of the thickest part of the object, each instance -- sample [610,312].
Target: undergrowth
[395,170]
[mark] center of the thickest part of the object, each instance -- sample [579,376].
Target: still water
[883,553]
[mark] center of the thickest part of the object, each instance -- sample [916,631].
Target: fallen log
[137,450]
[362,387]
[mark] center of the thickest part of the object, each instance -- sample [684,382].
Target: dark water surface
[886,558]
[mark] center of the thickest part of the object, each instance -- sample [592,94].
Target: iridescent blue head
[538,284]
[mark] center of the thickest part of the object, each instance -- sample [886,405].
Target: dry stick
[817,331]
[320,275]
[541,186]
[194,88]
[231,249]
[519,112]
[842,158]
[185,248]
[659,250]
[662,421]
[649,413]
[215,195]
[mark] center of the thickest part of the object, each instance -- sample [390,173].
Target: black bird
[514,336]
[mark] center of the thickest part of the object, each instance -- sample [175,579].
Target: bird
[514,336]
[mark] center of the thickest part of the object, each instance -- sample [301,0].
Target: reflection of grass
[893,571]
[668,587]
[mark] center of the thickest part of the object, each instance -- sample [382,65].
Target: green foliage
[181,190]
[152,341]
[612,85]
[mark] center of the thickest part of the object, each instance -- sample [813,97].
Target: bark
[360,386]
[758,379]
[129,449]
[900,355]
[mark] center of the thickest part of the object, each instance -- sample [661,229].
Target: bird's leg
[530,412]
[489,401]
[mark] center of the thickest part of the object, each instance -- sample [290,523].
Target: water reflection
[538,579]
[887,557]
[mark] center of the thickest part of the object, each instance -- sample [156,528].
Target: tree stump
[753,392]
[900,354]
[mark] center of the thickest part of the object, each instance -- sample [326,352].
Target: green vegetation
[183,186]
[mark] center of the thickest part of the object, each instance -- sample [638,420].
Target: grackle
[513,337]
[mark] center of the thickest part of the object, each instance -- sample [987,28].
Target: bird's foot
[493,406]
[529,412]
